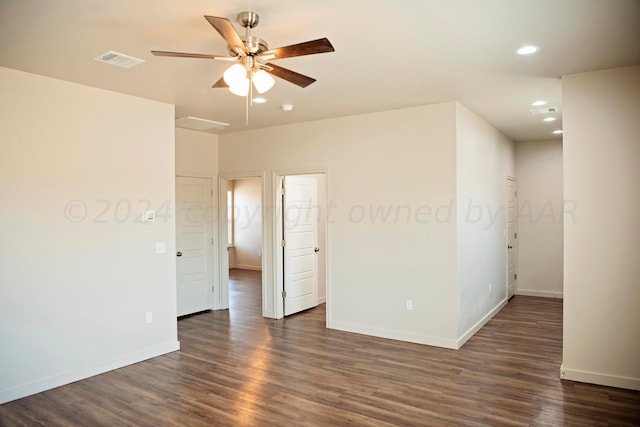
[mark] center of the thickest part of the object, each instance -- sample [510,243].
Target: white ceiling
[389,53]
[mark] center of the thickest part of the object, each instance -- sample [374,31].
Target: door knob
[179,254]
[510,247]
[316,250]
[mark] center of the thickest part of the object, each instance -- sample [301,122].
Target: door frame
[515,240]
[223,254]
[213,249]
[276,236]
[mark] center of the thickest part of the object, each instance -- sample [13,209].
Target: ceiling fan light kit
[250,54]
[236,78]
[262,81]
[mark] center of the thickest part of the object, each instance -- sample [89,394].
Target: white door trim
[223,275]
[276,235]
[515,240]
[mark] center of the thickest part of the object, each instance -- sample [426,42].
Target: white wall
[247,194]
[196,153]
[392,220]
[540,218]
[601,269]
[78,271]
[485,158]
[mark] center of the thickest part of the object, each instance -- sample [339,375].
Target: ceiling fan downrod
[253,45]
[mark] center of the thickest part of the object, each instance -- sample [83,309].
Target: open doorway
[244,245]
[272,297]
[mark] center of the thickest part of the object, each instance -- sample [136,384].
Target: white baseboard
[394,335]
[322,300]
[80,374]
[598,378]
[475,328]
[248,267]
[534,293]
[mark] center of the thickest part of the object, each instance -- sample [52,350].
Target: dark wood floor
[236,368]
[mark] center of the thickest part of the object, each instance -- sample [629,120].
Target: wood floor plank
[236,368]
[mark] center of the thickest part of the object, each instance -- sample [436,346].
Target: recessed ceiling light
[557,131]
[527,50]
[544,110]
[538,103]
[549,119]
[259,100]
[286,107]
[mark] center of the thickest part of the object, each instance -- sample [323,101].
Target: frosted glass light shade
[263,81]
[240,88]
[235,75]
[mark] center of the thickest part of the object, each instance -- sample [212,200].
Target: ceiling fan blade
[228,33]
[220,83]
[288,75]
[307,48]
[191,55]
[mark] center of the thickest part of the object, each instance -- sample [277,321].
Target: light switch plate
[149,216]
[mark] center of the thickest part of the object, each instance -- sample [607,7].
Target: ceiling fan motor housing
[248,19]
[254,46]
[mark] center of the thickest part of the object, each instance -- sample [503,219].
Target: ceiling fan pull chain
[251,72]
[246,107]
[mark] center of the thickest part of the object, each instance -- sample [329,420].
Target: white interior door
[512,246]
[300,235]
[194,244]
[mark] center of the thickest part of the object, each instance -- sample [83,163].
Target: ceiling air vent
[118,59]
[196,123]
[548,110]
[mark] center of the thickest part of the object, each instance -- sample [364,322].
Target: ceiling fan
[252,54]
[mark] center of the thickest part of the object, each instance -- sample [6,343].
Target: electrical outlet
[149,317]
[409,304]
